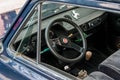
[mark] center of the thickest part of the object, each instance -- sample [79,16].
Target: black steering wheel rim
[55,53]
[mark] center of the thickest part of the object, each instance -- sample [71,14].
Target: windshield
[49,9]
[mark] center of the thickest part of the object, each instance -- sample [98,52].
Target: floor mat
[93,63]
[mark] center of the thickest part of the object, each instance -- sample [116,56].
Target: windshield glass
[49,9]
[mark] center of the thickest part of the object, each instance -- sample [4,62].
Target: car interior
[76,40]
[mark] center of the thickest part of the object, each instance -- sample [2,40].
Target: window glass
[26,42]
[49,9]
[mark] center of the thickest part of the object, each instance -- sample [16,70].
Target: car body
[27,52]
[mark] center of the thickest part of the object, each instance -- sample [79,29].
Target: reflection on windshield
[49,9]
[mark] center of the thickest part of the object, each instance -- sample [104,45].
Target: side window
[25,41]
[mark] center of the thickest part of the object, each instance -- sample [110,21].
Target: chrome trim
[39,33]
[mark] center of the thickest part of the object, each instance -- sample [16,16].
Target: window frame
[12,52]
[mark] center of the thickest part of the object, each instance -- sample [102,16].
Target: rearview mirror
[1,47]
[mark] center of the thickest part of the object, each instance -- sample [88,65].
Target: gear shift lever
[88,55]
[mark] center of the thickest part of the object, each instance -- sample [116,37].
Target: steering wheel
[66,42]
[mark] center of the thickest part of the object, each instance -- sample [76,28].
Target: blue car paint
[7,72]
[26,71]
[18,69]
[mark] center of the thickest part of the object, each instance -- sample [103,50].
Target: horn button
[64,40]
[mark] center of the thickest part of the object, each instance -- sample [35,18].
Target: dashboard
[80,16]
[87,19]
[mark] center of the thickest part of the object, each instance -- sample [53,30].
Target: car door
[20,36]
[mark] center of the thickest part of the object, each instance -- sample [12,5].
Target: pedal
[82,74]
[67,68]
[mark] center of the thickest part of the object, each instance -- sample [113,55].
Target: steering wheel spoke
[53,44]
[76,47]
[55,41]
